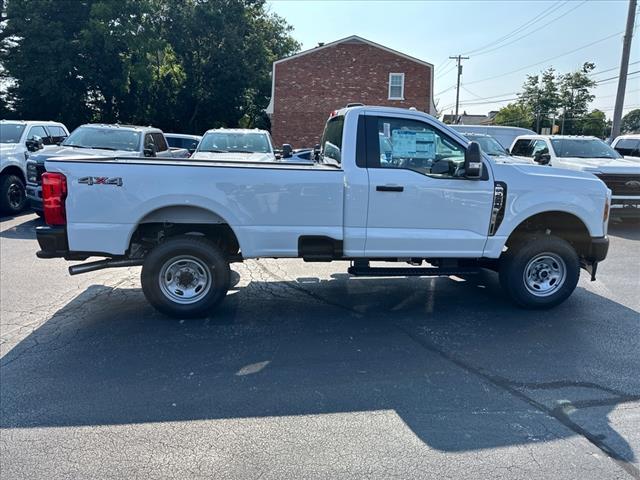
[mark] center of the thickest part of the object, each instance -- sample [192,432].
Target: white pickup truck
[434,199]
[588,154]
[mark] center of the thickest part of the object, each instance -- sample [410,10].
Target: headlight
[32,173]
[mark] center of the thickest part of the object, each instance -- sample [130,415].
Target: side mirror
[473,161]
[287,150]
[542,158]
[34,144]
[150,150]
[508,151]
[316,152]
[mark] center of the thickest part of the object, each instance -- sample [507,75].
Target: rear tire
[13,195]
[539,271]
[185,277]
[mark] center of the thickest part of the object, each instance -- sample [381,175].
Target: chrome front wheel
[545,274]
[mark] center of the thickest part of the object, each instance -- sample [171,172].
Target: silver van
[504,135]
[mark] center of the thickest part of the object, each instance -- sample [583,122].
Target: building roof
[351,39]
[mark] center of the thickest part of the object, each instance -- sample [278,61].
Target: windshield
[489,145]
[104,138]
[583,148]
[250,142]
[11,132]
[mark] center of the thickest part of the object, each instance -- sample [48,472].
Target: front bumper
[53,242]
[596,252]
[598,249]
[625,207]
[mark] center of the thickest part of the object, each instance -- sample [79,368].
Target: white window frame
[401,97]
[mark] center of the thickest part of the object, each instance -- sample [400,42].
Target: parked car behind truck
[588,154]
[99,140]
[17,140]
[435,199]
[503,134]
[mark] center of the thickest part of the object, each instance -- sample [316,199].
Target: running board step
[409,271]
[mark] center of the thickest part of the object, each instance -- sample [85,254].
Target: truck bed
[267,205]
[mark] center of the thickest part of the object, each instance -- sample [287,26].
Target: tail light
[54,193]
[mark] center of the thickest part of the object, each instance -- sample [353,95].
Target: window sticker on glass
[425,145]
[403,143]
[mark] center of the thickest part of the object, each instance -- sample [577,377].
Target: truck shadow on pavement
[458,364]
[23,231]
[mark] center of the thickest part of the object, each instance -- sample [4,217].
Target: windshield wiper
[104,148]
[241,151]
[74,146]
[215,151]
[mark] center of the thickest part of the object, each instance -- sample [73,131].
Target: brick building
[308,86]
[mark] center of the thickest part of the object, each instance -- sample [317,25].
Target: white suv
[588,154]
[17,139]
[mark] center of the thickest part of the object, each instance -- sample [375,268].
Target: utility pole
[624,69]
[458,59]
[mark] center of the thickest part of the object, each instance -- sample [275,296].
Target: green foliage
[182,65]
[515,115]
[575,96]
[594,123]
[540,94]
[631,122]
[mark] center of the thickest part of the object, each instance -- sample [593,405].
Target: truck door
[419,203]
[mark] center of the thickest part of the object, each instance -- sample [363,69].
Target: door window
[56,133]
[331,144]
[412,145]
[39,132]
[628,146]
[160,142]
[523,148]
[540,147]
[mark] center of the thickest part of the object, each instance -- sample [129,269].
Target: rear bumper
[53,242]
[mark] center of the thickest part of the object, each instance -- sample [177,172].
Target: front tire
[540,271]
[185,277]
[13,195]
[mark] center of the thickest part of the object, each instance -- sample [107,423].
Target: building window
[396,86]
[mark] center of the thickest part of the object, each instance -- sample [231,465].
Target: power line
[609,69]
[617,76]
[546,60]
[518,29]
[533,31]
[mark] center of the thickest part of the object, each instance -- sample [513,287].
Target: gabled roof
[353,39]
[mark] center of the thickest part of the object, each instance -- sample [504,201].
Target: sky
[500,37]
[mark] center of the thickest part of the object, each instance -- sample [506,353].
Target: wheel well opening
[13,170]
[148,235]
[561,224]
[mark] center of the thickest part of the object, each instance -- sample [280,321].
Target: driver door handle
[389,188]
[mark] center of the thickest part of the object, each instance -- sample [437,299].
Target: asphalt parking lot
[307,373]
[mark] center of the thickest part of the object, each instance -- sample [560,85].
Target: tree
[515,115]
[631,122]
[594,123]
[575,96]
[40,51]
[185,65]
[540,95]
